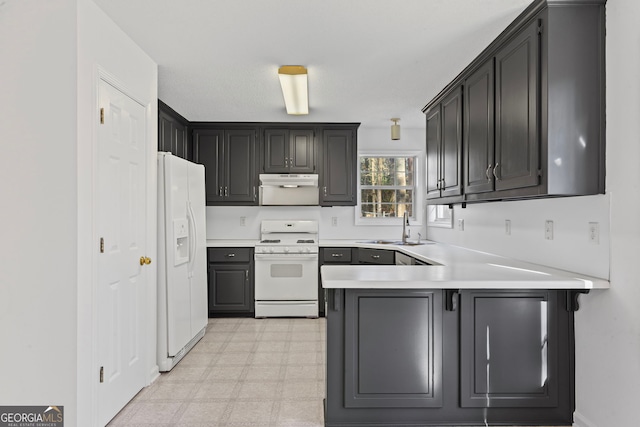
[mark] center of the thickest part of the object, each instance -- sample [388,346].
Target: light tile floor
[244,372]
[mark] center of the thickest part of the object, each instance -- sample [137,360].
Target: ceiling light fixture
[293,79]
[395,129]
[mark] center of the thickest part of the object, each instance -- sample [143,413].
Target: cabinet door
[229,288]
[276,150]
[208,150]
[172,135]
[406,370]
[517,139]
[338,178]
[301,151]
[478,130]
[376,256]
[508,349]
[240,166]
[451,162]
[433,152]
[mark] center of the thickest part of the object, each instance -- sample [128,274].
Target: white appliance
[286,269]
[182,260]
[289,189]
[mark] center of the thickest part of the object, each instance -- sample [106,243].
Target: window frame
[416,218]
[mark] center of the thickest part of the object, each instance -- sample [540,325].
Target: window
[387,186]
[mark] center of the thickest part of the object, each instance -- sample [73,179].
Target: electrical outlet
[243,221]
[594,233]
[548,230]
[334,221]
[507,227]
[461,224]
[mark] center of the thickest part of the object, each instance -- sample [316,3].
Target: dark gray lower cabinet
[231,281]
[406,358]
[509,349]
[406,371]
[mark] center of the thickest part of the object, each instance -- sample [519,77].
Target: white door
[122,278]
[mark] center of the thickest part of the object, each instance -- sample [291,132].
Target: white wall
[38,254]
[223,222]
[50,51]
[608,322]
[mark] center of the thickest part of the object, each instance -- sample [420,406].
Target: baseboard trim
[580,420]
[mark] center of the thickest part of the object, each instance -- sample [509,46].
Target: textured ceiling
[368,60]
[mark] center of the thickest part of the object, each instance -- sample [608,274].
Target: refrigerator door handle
[192,238]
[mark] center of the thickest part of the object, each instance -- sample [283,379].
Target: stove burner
[270,241]
[305,241]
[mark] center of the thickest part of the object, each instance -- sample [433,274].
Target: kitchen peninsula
[472,338]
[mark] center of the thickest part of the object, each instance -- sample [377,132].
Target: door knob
[145,260]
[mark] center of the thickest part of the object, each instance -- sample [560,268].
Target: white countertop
[454,268]
[457,268]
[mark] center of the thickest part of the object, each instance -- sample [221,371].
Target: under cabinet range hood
[289,189]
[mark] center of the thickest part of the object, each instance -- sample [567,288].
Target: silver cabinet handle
[221,193]
[226,191]
[495,173]
[246,274]
[487,173]
[254,192]
[375,256]
[231,255]
[325,190]
[337,255]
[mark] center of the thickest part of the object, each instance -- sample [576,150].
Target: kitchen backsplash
[338,222]
[570,247]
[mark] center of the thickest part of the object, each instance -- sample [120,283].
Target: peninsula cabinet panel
[509,349]
[407,370]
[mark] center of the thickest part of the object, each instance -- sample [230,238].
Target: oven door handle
[286,257]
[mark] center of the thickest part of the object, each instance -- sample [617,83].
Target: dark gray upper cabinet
[444,146]
[289,151]
[229,157]
[516,138]
[339,163]
[478,130]
[172,131]
[533,109]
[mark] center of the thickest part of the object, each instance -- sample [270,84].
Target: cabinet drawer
[375,256]
[341,255]
[230,254]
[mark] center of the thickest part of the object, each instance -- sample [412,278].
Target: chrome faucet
[405,231]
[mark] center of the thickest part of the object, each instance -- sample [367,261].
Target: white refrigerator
[182,269]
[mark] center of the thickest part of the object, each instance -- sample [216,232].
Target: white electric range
[286,269]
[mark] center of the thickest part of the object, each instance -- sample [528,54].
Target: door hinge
[540,172]
[102,116]
[101,374]
[102,245]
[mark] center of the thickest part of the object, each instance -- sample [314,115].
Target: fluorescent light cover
[293,79]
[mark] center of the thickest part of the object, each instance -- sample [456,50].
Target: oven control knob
[286,250]
[270,250]
[306,250]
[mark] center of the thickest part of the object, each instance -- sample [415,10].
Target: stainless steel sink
[395,242]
